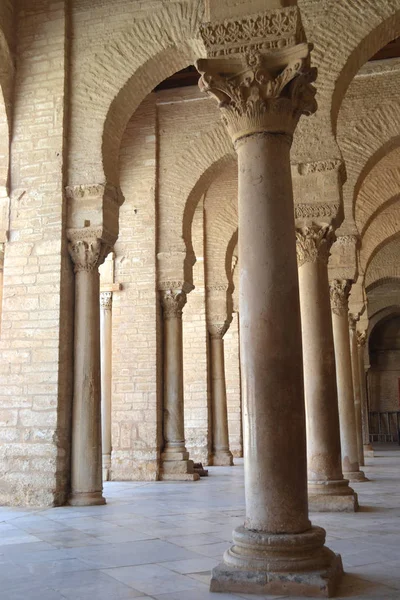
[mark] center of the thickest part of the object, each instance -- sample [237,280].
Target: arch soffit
[384,314]
[382,230]
[111,83]
[384,265]
[372,139]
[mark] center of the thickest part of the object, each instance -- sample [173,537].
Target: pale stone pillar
[106,378]
[340,290]
[327,489]
[1,279]
[176,465]
[356,385]
[221,455]
[367,446]
[86,468]
[277,550]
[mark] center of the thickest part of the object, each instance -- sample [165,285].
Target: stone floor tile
[194,565]
[154,579]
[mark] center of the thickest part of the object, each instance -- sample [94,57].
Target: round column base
[368,451]
[356,476]
[86,499]
[288,564]
[332,496]
[222,458]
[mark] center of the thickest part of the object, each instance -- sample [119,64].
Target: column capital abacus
[313,243]
[340,292]
[173,301]
[106,299]
[258,71]
[87,249]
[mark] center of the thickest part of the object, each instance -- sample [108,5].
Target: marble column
[106,378]
[86,467]
[327,489]
[1,278]
[340,290]
[176,465]
[355,367]
[276,551]
[367,446]
[221,455]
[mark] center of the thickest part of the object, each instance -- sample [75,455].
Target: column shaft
[356,388]
[328,490]
[175,458]
[367,446]
[86,480]
[344,380]
[106,378]
[220,447]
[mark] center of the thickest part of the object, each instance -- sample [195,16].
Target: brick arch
[382,315]
[109,84]
[371,140]
[385,264]
[382,230]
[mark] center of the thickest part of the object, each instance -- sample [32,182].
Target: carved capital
[106,300]
[313,244]
[340,292]
[259,92]
[86,250]
[173,301]
[217,327]
[361,338]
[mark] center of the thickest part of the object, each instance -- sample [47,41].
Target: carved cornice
[95,190]
[262,92]
[340,292]
[273,30]
[313,244]
[173,301]
[106,299]
[88,254]
[166,285]
[361,338]
[321,166]
[316,211]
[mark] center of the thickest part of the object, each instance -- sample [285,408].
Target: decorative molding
[322,166]
[314,243]
[340,292]
[95,190]
[173,301]
[263,92]
[217,327]
[348,240]
[87,254]
[164,286]
[315,211]
[217,287]
[275,29]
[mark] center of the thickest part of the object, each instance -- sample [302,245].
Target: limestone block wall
[384,383]
[196,355]
[136,420]
[35,369]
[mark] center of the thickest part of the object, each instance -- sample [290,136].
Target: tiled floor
[160,540]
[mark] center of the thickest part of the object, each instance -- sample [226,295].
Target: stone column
[1,278]
[221,455]
[367,446]
[356,385]
[176,465]
[327,489]
[106,378]
[86,469]
[276,551]
[340,290]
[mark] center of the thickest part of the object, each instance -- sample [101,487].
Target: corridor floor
[160,540]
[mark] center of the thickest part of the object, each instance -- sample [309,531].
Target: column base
[176,466]
[332,496]
[222,458]
[106,467]
[86,499]
[287,564]
[368,451]
[355,476]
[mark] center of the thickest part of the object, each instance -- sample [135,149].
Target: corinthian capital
[259,92]
[313,244]
[86,250]
[340,291]
[173,301]
[106,300]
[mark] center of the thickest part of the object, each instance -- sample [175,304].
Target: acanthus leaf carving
[339,293]
[313,244]
[106,300]
[173,301]
[88,254]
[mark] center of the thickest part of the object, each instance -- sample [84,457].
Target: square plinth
[315,584]
[332,503]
